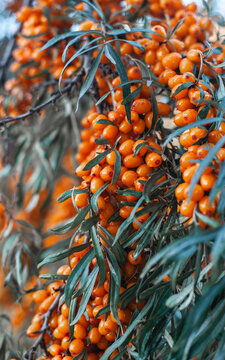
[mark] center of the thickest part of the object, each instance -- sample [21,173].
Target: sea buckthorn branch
[45,326]
[8,52]
[51,100]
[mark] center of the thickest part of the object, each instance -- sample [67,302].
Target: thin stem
[45,326]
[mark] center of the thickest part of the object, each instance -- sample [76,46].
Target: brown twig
[51,100]
[45,326]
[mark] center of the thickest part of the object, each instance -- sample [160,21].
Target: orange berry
[96,183]
[79,331]
[172,60]
[110,132]
[81,200]
[143,170]
[181,93]
[141,106]
[39,296]
[186,66]
[207,181]
[163,109]
[174,80]
[206,207]
[131,161]
[129,177]
[134,73]
[180,191]
[76,347]
[187,208]
[165,76]
[65,342]
[125,211]
[65,310]
[197,193]
[55,349]
[133,260]
[153,159]
[158,33]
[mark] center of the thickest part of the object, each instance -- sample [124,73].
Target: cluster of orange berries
[139,157]
[92,331]
[31,66]
[173,61]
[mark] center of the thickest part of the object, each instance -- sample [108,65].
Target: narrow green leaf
[74,223]
[117,167]
[99,255]
[85,298]
[96,160]
[90,75]
[63,254]
[76,273]
[124,79]
[94,198]
[68,194]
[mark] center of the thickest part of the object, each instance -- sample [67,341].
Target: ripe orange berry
[181,93]
[98,291]
[148,119]
[131,161]
[172,60]
[142,151]
[184,104]
[32,329]
[158,33]
[101,328]
[143,170]
[187,208]
[129,177]
[110,132]
[187,160]
[81,200]
[133,260]
[125,211]
[39,296]
[94,335]
[207,181]
[55,349]
[165,76]
[141,106]
[79,331]
[106,173]
[163,109]
[197,193]
[174,81]
[65,310]
[76,347]
[180,191]
[186,65]
[150,57]
[96,183]
[126,147]
[65,342]
[206,207]
[134,73]
[153,159]
[111,158]
[189,173]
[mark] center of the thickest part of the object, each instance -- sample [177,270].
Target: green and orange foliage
[30,66]
[140,279]
[92,333]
